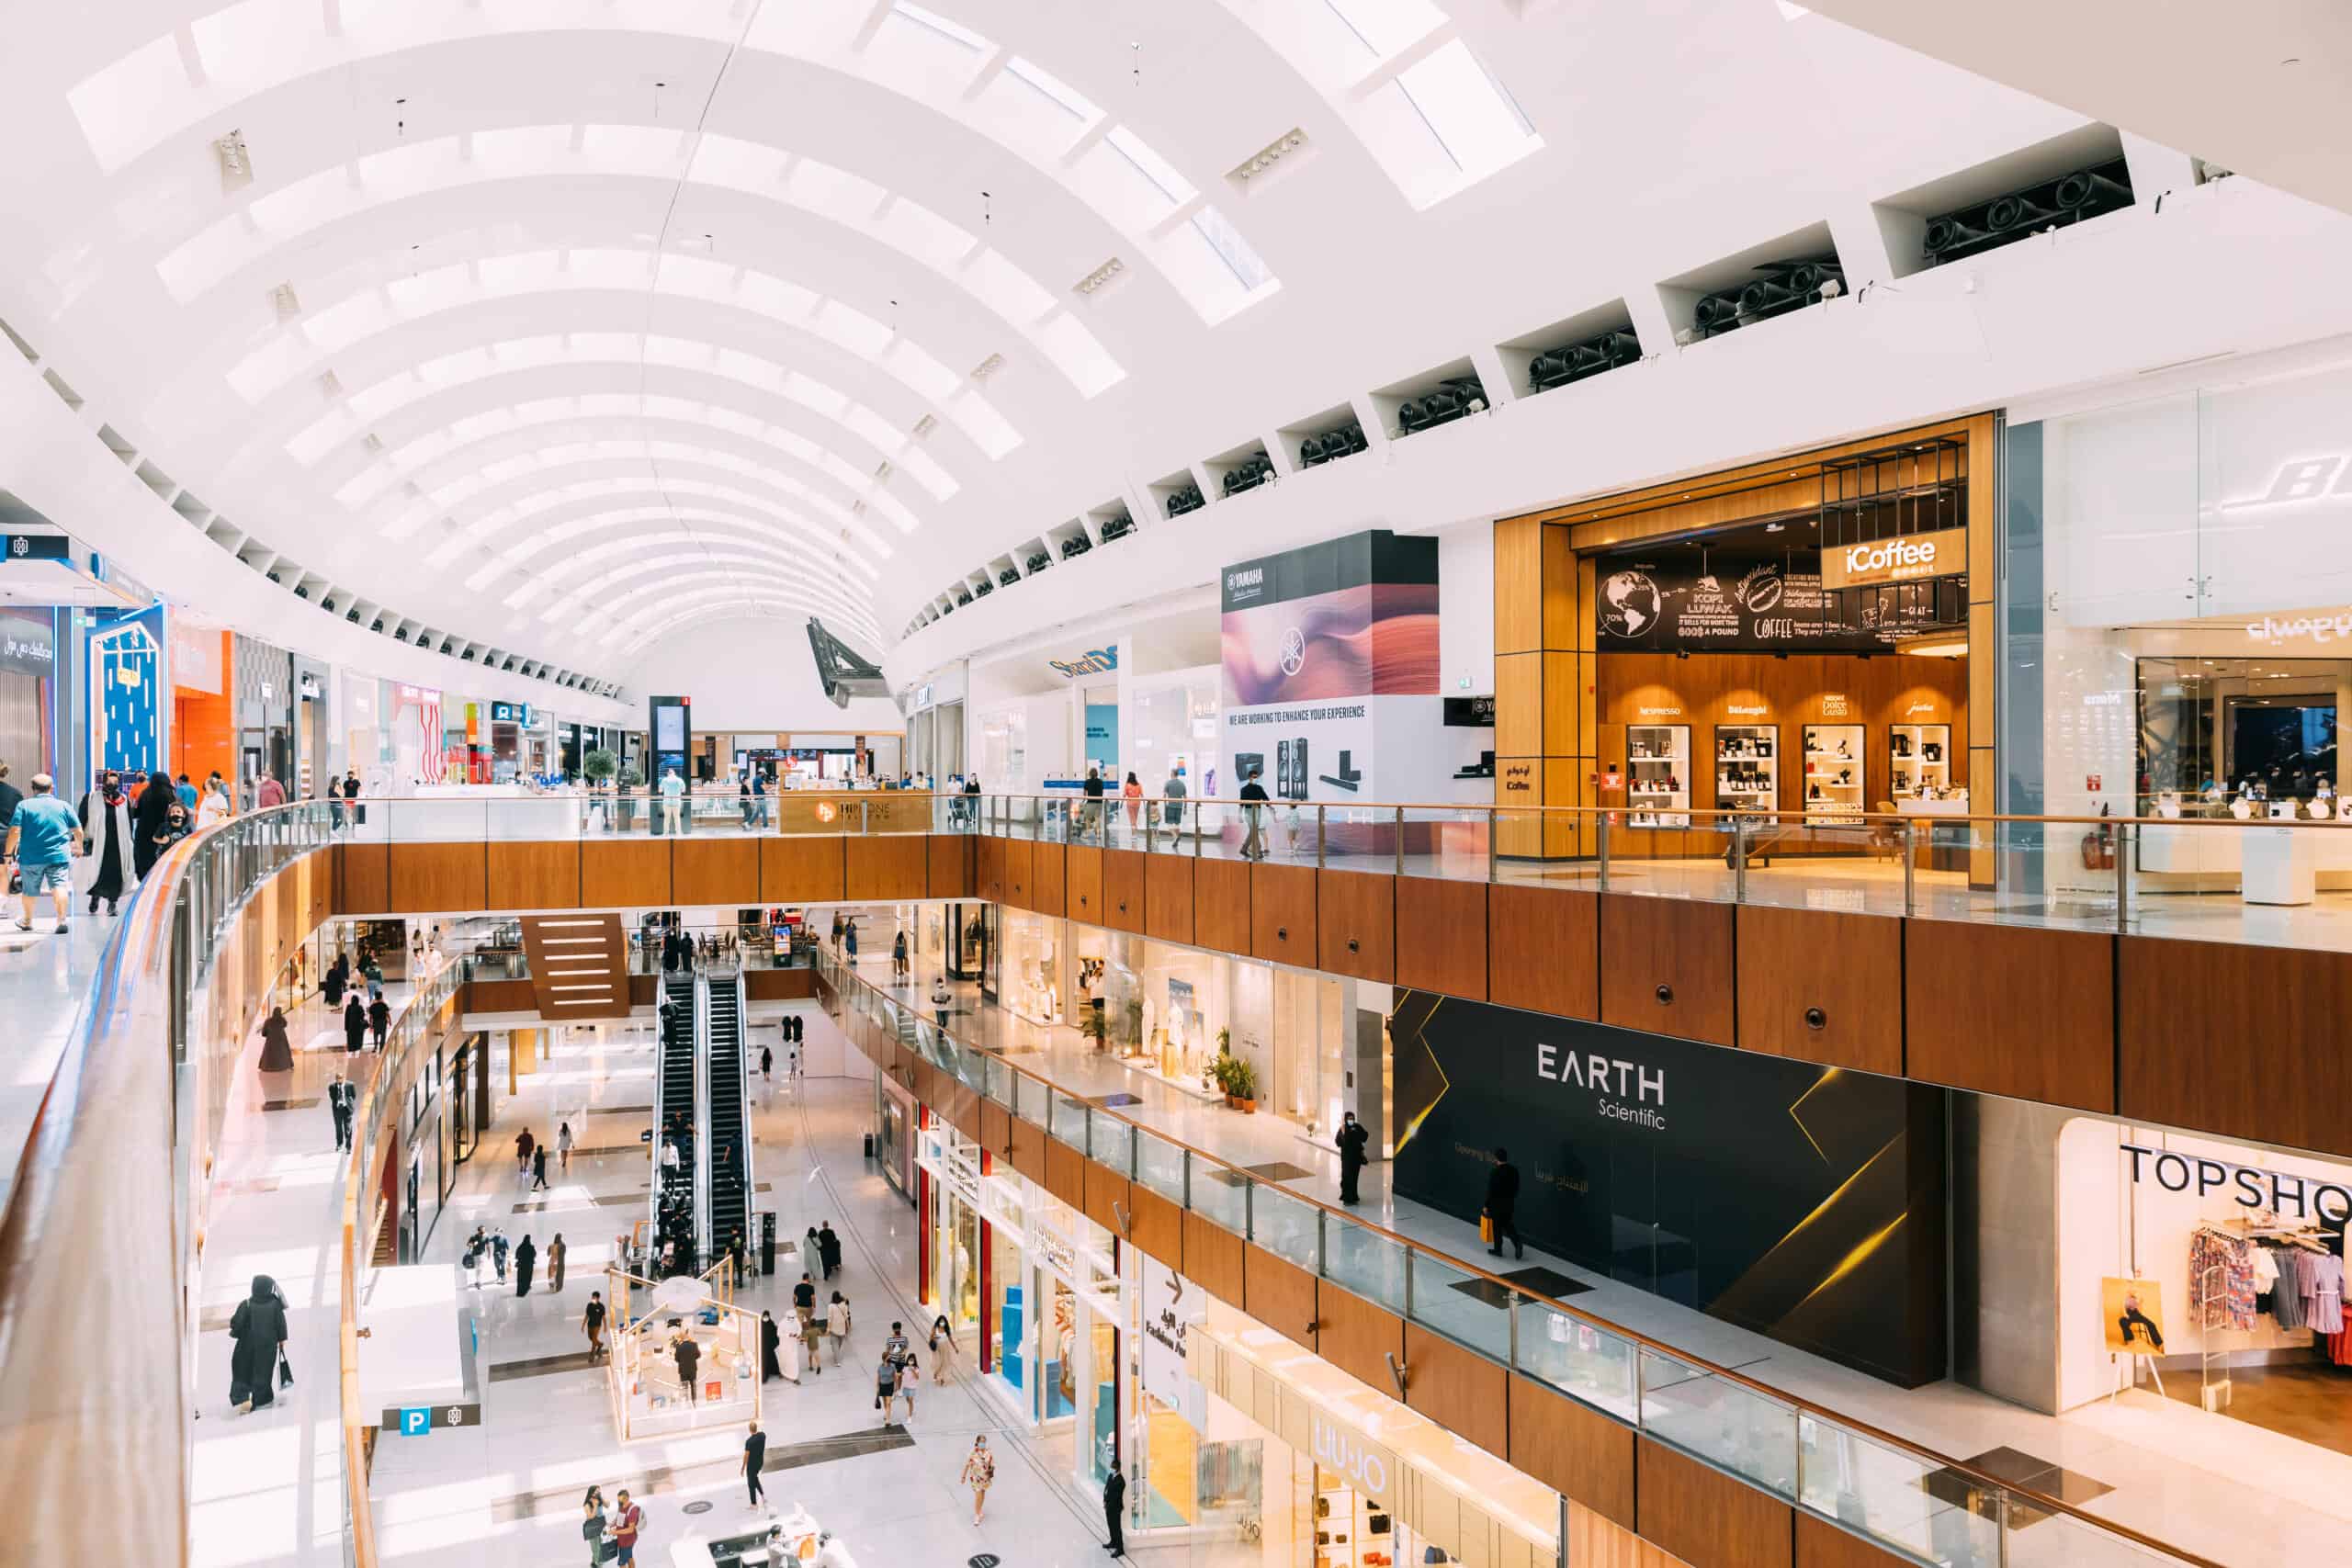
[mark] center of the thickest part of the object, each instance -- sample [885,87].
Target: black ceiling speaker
[1039,562]
[1117,527]
[982,589]
[1558,367]
[1249,474]
[1782,287]
[1076,544]
[1187,498]
[1332,446]
[1008,577]
[1983,226]
[1455,397]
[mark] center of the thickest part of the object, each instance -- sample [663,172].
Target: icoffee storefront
[1790,638]
[2176,634]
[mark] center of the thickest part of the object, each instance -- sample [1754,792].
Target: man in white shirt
[673,800]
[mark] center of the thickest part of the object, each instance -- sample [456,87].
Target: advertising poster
[1171,1306]
[126,665]
[1647,603]
[2134,1311]
[1330,659]
[1804,1203]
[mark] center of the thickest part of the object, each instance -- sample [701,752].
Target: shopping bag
[1486,1227]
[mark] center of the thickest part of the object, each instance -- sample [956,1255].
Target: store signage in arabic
[1943,553]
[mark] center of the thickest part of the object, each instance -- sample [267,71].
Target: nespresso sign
[1907,556]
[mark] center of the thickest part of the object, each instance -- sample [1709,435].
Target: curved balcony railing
[1926,1507]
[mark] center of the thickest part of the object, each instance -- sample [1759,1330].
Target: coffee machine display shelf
[1832,784]
[1657,775]
[1748,766]
[1919,759]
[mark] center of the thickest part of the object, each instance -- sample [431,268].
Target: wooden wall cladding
[885,866]
[363,878]
[1816,984]
[951,865]
[964,1111]
[801,869]
[996,1129]
[989,868]
[1665,966]
[1065,1173]
[2229,1039]
[779,985]
[1083,883]
[1122,890]
[431,878]
[1458,1389]
[501,996]
[1441,936]
[1104,1189]
[535,875]
[1544,949]
[1705,1517]
[620,873]
[1030,1151]
[1019,857]
[927,1085]
[2019,1011]
[1821,1544]
[1573,1449]
[1595,1542]
[1049,877]
[1282,914]
[1357,1337]
[1213,1259]
[714,871]
[1168,897]
[1355,924]
[1278,1293]
[1221,904]
[1159,1225]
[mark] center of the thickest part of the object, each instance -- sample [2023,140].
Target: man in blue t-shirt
[43,838]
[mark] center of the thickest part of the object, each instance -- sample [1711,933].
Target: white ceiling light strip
[137,102]
[729,525]
[302,349]
[244,238]
[433,376]
[638,490]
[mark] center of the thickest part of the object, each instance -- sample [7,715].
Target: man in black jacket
[1502,1203]
[1114,1507]
[1352,1140]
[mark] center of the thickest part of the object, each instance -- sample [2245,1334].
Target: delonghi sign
[1899,560]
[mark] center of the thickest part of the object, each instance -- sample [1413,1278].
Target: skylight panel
[1070,101]
[1472,119]
[932,22]
[1385,27]
[132,103]
[911,227]
[1150,165]
[1079,355]
[1005,289]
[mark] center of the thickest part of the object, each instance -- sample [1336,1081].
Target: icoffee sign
[1899,560]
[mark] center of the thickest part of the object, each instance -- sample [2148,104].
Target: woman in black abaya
[355,1025]
[148,818]
[258,1328]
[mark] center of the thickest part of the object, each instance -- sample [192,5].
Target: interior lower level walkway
[2222,1489]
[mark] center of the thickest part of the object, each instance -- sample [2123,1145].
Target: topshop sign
[2250,1187]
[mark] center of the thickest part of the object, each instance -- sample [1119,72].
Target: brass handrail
[1798,1403]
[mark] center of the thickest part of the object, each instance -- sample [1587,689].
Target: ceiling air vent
[236,164]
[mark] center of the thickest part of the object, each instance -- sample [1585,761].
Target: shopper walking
[213,808]
[940,999]
[149,816]
[539,1168]
[257,1329]
[42,840]
[1114,1507]
[837,1324]
[812,1341]
[688,1356]
[979,1475]
[759,796]
[107,839]
[592,1526]
[849,940]
[755,1456]
[498,1253]
[276,1048]
[829,1249]
[269,792]
[1132,793]
[838,927]
[379,1020]
[1502,1204]
[10,798]
[563,1146]
[1352,1137]
[556,1251]
[771,1340]
[886,1387]
[767,1064]
[627,1520]
[355,1025]
[591,1324]
[898,957]
[524,1144]
[1172,807]
[804,1294]
[343,1098]
[1253,796]
[1092,820]
[527,1258]
[942,1339]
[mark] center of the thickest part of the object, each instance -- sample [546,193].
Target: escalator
[729,1125]
[675,1213]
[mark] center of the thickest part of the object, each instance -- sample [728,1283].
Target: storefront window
[1013,1306]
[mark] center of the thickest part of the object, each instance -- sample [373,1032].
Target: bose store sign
[1898,559]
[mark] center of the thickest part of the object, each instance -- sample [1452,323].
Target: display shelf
[1747,767]
[1833,782]
[1918,759]
[1657,775]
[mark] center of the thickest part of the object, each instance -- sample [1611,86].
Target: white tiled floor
[2206,1484]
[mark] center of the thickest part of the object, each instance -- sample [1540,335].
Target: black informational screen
[670,730]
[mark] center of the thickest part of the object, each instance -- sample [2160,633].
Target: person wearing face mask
[149,814]
[107,831]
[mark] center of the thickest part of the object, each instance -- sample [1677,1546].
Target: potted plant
[1241,1085]
[630,779]
[1131,1036]
[1091,1027]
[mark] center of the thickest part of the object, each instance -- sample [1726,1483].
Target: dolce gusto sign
[1801,1201]
[1903,558]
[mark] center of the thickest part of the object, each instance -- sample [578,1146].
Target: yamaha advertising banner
[1716,602]
[1804,1203]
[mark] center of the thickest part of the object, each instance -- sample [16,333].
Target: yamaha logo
[1293,652]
